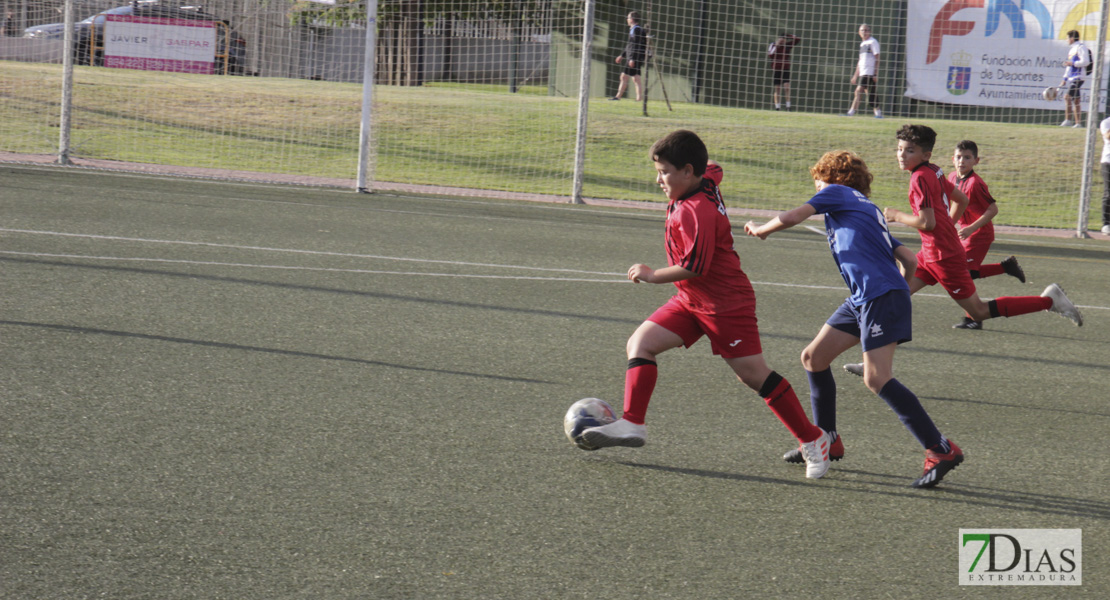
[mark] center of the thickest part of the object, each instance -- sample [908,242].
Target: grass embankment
[484,137]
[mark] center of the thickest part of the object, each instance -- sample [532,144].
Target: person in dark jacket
[635,52]
[779,55]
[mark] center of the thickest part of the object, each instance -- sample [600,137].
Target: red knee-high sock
[1012,306]
[990,270]
[639,383]
[781,399]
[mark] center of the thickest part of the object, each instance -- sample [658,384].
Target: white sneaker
[850,113]
[1067,123]
[878,114]
[1061,304]
[1077,125]
[1106,229]
[618,433]
[816,454]
[855,369]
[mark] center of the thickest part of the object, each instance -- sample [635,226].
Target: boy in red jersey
[942,258]
[975,227]
[714,299]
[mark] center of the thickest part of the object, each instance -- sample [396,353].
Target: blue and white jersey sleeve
[860,243]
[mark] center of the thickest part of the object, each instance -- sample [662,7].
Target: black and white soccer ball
[586,413]
[1049,94]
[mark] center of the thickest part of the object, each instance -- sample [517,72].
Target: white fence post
[1093,113]
[583,102]
[366,131]
[66,117]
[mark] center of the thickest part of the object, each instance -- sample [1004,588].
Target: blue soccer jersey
[860,242]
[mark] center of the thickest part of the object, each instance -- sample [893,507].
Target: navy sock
[909,410]
[822,399]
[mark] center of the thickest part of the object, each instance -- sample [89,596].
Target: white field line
[375,257]
[305,252]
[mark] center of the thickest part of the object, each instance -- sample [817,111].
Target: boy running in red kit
[942,258]
[714,299]
[975,228]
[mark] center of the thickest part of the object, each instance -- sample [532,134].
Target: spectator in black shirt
[635,52]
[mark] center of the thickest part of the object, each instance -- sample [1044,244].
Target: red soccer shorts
[976,249]
[950,273]
[731,335]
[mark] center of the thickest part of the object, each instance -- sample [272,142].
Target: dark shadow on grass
[360,293]
[714,474]
[1093,252]
[899,486]
[313,288]
[1042,336]
[277,351]
[980,356]
[1019,406]
[955,491]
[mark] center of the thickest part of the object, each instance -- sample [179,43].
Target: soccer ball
[586,413]
[1049,94]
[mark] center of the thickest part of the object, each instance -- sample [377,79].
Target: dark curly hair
[921,136]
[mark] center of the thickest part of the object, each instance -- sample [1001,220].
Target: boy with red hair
[878,314]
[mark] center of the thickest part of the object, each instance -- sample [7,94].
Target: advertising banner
[157,44]
[996,53]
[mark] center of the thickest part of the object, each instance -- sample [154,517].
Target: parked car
[88,45]
[48,31]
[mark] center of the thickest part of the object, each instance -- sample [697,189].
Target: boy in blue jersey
[878,313]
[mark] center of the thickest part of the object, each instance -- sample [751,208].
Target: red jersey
[699,239]
[779,54]
[929,189]
[979,199]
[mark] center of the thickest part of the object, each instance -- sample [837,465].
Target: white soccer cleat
[618,433]
[1061,304]
[1067,123]
[855,369]
[816,454]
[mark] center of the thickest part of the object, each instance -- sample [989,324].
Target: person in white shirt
[1104,128]
[866,75]
[1075,72]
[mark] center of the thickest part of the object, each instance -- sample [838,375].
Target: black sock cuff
[993,306]
[640,362]
[773,380]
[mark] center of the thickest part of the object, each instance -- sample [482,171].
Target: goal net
[482,97]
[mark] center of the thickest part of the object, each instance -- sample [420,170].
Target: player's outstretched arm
[907,261]
[641,273]
[924,221]
[959,204]
[988,215]
[784,220]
